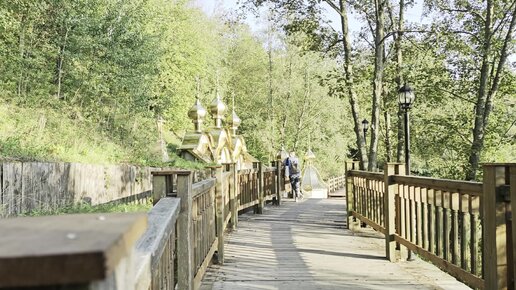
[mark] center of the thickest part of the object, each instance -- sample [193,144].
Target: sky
[213,7]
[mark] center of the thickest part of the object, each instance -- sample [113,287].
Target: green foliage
[44,134]
[83,207]
[87,80]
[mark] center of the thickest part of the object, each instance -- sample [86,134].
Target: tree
[487,27]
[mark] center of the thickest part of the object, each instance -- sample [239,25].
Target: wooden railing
[269,183]
[465,228]
[156,249]
[185,229]
[367,198]
[249,187]
[336,183]
[203,224]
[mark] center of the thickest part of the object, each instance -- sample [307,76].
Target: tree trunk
[60,61]
[21,43]
[483,105]
[285,120]
[271,100]
[387,136]
[348,69]
[301,116]
[377,83]
[162,143]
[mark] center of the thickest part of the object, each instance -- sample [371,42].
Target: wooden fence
[334,184]
[185,229]
[465,228]
[46,186]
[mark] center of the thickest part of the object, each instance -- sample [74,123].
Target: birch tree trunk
[487,91]
[377,83]
[348,69]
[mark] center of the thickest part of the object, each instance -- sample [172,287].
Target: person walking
[292,169]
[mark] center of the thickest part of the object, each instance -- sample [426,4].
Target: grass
[87,208]
[43,134]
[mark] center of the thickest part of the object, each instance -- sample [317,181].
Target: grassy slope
[28,134]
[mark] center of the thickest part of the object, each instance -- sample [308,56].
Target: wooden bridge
[235,230]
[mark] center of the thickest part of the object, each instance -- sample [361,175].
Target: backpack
[293,167]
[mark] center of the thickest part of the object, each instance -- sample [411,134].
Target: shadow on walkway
[305,246]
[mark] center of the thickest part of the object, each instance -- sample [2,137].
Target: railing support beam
[261,190]
[233,196]
[278,181]
[389,206]
[185,231]
[350,194]
[220,214]
[495,246]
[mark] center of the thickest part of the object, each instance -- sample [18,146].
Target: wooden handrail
[184,230]
[156,247]
[203,186]
[442,220]
[366,174]
[469,187]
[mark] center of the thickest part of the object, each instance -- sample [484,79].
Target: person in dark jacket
[293,171]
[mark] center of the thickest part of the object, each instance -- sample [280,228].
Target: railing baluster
[475,234]
[465,253]
[446,225]
[431,221]
[439,223]
[408,223]
[455,227]
[412,204]
[424,217]
[419,223]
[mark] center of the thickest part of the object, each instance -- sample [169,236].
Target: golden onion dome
[234,121]
[217,108]
[197,112]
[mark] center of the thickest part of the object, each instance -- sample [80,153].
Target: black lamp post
[405,99]
[365,126]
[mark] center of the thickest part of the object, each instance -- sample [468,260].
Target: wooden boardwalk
[305,246]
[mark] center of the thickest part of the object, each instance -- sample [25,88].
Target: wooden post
[279,179]
[185,232]
[261,189]
[401,214]
[350,194]
[233,200]
[159,188]
[389,205]
[493,209]
[220,214]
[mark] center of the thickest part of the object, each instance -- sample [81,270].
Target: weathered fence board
[43,186]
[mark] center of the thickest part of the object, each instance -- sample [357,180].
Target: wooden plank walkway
[305,246]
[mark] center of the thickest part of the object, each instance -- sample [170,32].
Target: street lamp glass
[405,96]
[365,125]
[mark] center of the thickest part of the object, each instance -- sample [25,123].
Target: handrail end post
[233,196]
[495,234]
[261,189]
[350,195]
[389,205]
[185,231]
[219,202]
